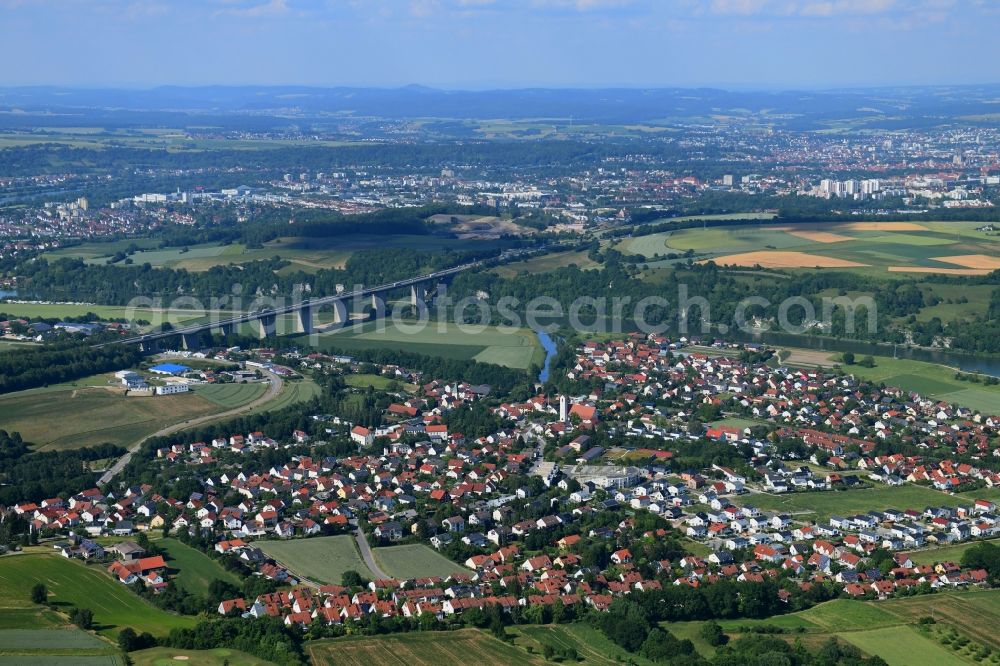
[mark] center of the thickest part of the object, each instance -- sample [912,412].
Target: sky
[481,44]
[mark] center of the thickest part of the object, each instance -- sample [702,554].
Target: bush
[39,593]
[82,617]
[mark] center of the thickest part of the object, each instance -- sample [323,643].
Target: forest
[61,362]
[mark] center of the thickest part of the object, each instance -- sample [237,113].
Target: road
[367,555]
[275,384]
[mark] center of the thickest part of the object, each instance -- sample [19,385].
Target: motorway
[275,384]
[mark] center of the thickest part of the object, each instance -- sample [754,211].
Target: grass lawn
[71,583]
[161,656]
[514,348]
[451,648]
[823,504]
[91,412]
[320,559]
[196,570]
[943,554]
[414,561]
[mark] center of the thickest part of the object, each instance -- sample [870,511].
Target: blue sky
[500,43]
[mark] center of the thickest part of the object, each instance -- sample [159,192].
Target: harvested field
[942,271]
[883,226]
[978,261]
[777,259]
[807,357]
[821,236]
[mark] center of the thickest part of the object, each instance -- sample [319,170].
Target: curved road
[366,553]
[274,388]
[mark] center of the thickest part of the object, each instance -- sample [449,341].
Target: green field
[592,646]
[302,390]
[902,646]
[320,559]
[545,263]
[452,648]
[195,570]
[930,380]
[515,348]
[304,254]
[162,656]
[823,504]
[230,396]
[414,561]
[92,412]
[71,583]
[888,629]
[59,310]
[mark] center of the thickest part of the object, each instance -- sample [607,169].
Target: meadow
[414,561]
[513,348]
[72,583]
[320,559]
[91,411]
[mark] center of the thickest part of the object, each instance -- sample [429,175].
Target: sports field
[195,570]
[320,559]
[452,648]
[414,561]
[511,347]
[71,583]
[882,248]
[92,412]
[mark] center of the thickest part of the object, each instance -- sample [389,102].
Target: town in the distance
[645,333]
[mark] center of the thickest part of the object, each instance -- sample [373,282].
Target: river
[549,345]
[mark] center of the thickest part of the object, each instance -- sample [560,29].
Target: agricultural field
[230,396]
[301,390]
[513,348]
[878,248]
[821,505]
[195,570]
[452,648]
[72,583]
[94,412]
[161,656]
[414,561]
[320,559]
[60,310]
[66,645]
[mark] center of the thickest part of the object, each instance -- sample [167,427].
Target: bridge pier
[416,296]
[149,347]
[304,320]
[190,341]
[340,314]
[378,305]
[266,326]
